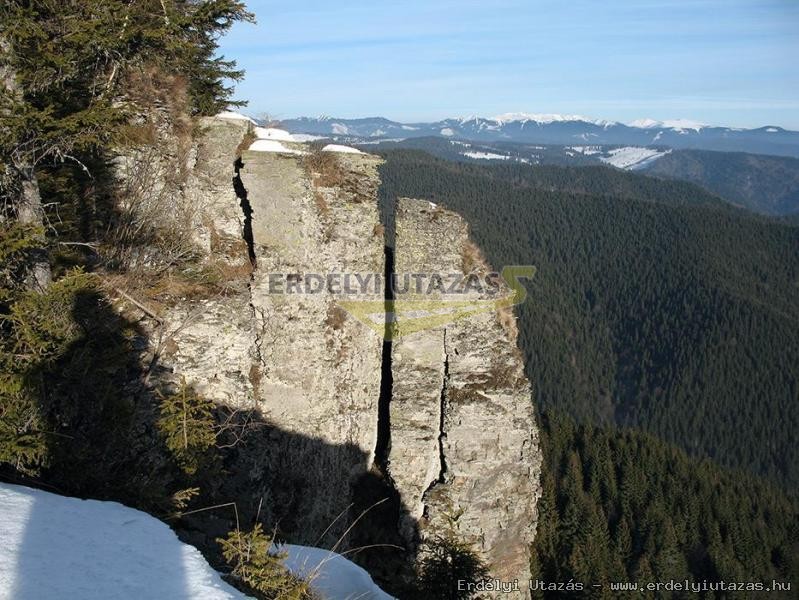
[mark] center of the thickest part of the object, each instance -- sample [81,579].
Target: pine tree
[64,69]
[249,556]
[188,425]
[36,329]
[446,561]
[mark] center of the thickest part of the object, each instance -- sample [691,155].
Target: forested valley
[661,335]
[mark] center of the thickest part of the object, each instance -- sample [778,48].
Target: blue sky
[725,62]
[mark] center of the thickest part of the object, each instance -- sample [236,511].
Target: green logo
[408,314]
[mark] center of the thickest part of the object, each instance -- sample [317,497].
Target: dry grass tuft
[196,282]
[255,376]
[499,376]
[245,142]
[322,207]
[507,319]
[324,168]
[472,259]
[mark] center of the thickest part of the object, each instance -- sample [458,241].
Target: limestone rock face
[211,339]
[271,229]
[310,370]
[464,445]
[318,368]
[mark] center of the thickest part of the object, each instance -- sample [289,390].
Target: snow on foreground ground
[57,547]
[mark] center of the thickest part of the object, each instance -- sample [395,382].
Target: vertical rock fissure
[383,445]
[442,433]
[249,239]
[246,209]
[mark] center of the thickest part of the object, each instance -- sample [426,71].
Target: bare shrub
[150,227]
[153,222]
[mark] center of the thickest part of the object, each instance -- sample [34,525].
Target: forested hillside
[479,151]
[764,184]
[666,312]
[622,506]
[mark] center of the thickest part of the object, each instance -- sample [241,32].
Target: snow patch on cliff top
[273,146]
[234,116]
[340,148]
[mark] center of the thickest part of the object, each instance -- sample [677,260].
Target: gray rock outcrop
[311,371]
[463,455]
[464,444]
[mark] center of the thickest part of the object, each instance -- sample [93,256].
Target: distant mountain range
[764,184]
[564,130]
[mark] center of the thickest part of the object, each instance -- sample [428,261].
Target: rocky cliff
[459,445]
[464,445]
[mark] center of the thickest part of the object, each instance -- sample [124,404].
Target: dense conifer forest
[622,506]
[659,309]
[765,184]
[662,338]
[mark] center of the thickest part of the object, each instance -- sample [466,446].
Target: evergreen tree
[254,562]
[446,561]
[188,425]
[37,328]
[65,68]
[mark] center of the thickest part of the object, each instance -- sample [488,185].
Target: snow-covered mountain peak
[547,118]
[676,124]
[512,117]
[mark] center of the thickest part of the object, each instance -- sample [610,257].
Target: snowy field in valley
[486,155]
[632,157]
[58,547]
